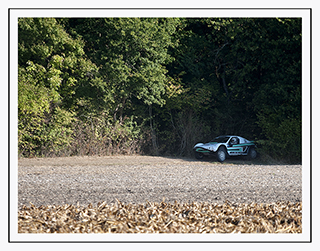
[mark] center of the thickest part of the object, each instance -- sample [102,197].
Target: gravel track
[138,179]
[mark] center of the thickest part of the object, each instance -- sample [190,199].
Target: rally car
[225,146]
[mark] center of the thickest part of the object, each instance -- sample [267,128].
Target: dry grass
[281,217]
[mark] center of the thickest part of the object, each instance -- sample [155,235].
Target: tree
[278,100]
[240,76]
[109,82]
[52,66]
[131,54]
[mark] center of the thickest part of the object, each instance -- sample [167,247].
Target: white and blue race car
[225,146]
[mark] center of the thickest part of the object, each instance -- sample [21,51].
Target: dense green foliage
[158,85]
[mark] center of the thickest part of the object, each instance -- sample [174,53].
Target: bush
[100,136]
[283,142]
[187,130]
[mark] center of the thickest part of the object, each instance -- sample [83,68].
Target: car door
[234,147]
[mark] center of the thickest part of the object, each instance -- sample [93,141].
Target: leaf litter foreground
[280,217]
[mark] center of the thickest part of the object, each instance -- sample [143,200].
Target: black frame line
[159,8]
[134,9]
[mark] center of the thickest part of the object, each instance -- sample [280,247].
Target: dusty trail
[137,179]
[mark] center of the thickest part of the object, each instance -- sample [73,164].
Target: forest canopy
[102,86]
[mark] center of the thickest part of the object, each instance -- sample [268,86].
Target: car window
[234,141]
[221,139]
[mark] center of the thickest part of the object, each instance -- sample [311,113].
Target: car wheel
[198,155]
[252,154]
[221,154]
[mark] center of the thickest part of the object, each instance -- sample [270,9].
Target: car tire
[221,154]
[252,154]
[198,155]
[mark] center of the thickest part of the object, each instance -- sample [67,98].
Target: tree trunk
[153,134]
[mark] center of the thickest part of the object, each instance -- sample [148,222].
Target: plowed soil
[138,179]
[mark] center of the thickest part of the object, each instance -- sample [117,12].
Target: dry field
[140,194]
[162,218]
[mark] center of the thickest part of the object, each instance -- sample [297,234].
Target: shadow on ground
[234,160]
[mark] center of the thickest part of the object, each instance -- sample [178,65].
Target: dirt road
[137,179]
